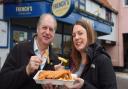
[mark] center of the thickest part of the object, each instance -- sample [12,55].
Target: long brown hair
[91,38]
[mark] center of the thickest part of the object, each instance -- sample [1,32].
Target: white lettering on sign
[24,9]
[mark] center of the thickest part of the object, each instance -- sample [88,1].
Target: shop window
[67,44]
[57,43]
[108,15]
[76,4]
[62,41]
[81,4]
[19,36]
[60,45]
[126,2]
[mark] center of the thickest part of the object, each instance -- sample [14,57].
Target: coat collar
[31,42]
[95,49]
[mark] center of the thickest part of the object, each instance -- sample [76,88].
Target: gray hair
[47,14]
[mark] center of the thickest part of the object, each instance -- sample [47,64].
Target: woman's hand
[59,67]
[47,86]
[78,83]
[50,86]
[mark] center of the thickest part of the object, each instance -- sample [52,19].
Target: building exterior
[21,22]
[120,51]
[3,30]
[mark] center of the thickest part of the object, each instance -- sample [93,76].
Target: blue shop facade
[22,19]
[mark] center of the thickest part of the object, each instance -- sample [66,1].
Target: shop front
[24,16]
[23,19]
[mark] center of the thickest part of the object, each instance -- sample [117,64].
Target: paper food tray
[53,81]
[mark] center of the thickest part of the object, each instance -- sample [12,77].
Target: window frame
[108,15]
[4,30]
[124,3]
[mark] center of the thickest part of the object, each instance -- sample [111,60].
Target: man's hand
[33,64]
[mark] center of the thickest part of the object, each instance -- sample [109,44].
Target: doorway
[22,29]
[125,45]
[21,33]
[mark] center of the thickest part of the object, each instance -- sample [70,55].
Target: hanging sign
[62,8]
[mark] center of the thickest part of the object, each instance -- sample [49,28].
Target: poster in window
[3,34]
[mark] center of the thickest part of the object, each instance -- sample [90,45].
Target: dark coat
[13,74]
[99,73]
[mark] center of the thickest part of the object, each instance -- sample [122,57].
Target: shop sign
[33,9]
[62,8]
[20,9]
[101,27]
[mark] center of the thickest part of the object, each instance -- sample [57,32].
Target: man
[26,58]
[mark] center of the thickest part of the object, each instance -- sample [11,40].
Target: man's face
[46,30]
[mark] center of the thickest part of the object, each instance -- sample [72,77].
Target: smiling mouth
[78,43]
[46,37]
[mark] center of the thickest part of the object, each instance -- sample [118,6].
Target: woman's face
[79,37]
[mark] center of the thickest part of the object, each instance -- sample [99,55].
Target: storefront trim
[101,27]
[71,19]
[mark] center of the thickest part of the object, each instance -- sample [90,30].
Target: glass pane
[126,2]
[19,36]
[67,44]
[57,43]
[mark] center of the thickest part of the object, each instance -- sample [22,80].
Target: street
[122,80]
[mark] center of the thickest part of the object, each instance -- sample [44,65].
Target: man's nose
[48,30]
[76,37]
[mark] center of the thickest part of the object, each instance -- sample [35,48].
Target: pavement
[122,80]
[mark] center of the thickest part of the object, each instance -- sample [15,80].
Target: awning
[71,19]
[101,27]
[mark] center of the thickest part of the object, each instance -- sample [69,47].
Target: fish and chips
[59,74]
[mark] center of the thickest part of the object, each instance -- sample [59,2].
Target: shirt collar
[37,52]
[35,45]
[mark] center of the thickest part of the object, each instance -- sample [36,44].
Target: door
[125,42]
[20,33]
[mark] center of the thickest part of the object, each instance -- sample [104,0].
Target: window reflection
[19,36]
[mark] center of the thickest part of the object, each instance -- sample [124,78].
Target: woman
[89,60]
